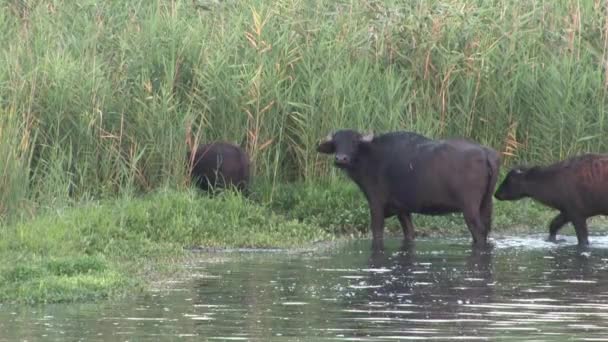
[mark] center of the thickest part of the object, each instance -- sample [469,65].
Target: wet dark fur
[219,165]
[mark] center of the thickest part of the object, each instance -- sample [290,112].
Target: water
[438,289]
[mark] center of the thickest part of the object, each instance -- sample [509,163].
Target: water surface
[436,289]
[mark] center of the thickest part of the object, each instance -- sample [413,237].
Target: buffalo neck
[364,171]
[544,187]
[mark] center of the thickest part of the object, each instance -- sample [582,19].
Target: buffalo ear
[518,171]
[327,146]
[367,138]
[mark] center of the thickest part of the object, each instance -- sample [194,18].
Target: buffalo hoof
[408,242]
[583,244]
[485,247]
[482,245]
[554,239]
[377,245]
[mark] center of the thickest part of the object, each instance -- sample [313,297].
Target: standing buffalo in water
[577,187]
[219,165]
[402,173]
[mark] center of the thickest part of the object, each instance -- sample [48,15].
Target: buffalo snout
[342,159]
[506,192]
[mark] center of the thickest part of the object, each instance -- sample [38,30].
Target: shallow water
[437,289]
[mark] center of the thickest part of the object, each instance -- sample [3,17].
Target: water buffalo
[219,165]
[577,187]
[402,173]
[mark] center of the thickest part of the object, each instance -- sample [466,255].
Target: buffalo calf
[402,173]
[577,187]
[219,165]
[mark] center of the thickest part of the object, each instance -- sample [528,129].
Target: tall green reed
[109,89]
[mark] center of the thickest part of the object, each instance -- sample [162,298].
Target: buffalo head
[345,144]
[513,187]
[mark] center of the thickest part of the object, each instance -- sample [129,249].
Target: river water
[436,289]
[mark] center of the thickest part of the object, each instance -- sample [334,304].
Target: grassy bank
[97,250]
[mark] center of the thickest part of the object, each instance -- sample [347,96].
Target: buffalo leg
[473,220]
[580,226]
[406,224]
[486,215]
[377,226]
[556,224]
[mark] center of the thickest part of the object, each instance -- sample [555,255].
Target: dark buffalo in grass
[577,187]
[402,173]
[219,165]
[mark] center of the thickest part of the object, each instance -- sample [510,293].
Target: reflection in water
[431,289]
[422,293]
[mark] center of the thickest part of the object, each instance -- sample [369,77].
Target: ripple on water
[538,241]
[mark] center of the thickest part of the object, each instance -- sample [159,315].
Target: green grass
[52,279]
[106,249]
